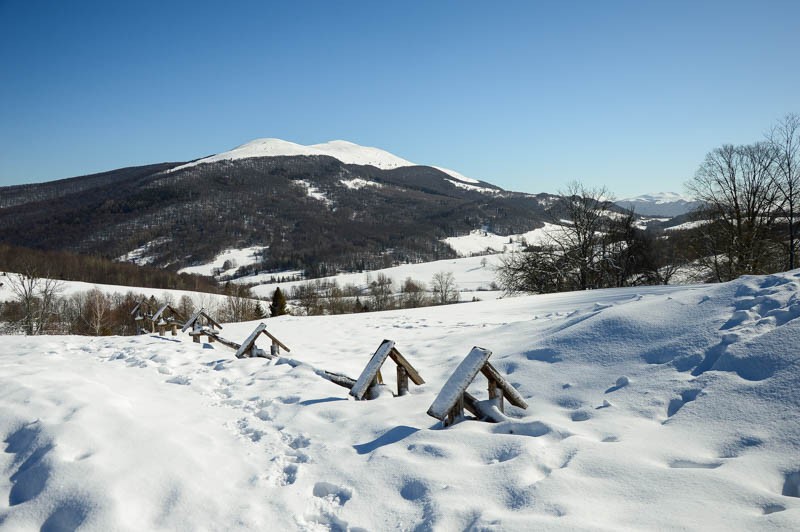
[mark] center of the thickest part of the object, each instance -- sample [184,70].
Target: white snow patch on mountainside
[237,257]
[347,152]
[651,408]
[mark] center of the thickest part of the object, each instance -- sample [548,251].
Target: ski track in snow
[648,406]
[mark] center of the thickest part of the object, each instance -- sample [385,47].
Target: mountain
[342,150]
[666,204]
[319,208]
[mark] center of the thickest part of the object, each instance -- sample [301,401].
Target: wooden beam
[250,341]
[400,360]
[276,341]
[510,393]
[372,370]
[402,380]
[453,390]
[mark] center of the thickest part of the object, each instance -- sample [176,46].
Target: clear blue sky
[527,95]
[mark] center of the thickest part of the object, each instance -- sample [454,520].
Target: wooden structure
[371,376]
[249,348]
[453,399]
[143,317]
[166,317]
[201,324]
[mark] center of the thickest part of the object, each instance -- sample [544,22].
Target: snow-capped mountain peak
[659,204]
[659,198]
[345,151]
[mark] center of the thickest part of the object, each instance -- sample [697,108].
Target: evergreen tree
[258,311]
[278,305]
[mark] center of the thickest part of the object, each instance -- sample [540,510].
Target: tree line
[747,224]
[40,307]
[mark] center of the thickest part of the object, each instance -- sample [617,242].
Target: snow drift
[650,408]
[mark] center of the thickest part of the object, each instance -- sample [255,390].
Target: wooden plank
[226,342]
[471,405]
[337,378]
[247,344]
[191,321]
[402,380]
[372,369]
[275,340]
[458,382]
[210,319]
[400,360]
[510,393]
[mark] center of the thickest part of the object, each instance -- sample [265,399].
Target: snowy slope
[659,204]
[655,408]
[347,152]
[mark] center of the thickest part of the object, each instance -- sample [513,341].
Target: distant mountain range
[319,208]
[663,204]
[324,207]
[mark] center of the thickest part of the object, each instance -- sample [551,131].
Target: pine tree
[278,305]
[258,311]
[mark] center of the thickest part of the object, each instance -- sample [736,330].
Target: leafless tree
[579,241]
[380,291]
[413,294]
[37,297]
[737,187]
[443,286]
[785,140]
[97,313]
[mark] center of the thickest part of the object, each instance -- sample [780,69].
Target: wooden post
[275,349]
[210,338]
[496,395]
[402,381]
[174,329]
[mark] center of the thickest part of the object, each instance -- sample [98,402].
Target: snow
[688,225]
[659,198]
[239,257]
[141,255]
[470,276]
[347,152]
[358,183]
[466,186]
[478,242]
[135,433]
[313,192]
[69,288]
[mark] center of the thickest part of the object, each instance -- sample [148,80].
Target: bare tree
[37,297]
[579,239]
[737,187]
[412,293]
[380,291]
[785,140]
[97,313]
[443,286]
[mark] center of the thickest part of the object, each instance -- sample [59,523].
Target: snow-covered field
[472,277]
[235,257]
[654,408]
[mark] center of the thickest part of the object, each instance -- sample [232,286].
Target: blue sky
[526,95]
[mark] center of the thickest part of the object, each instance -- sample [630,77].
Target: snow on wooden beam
[451,402]
[371,375]
[249,349]
[196,321]
[453,390]
[509,392]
